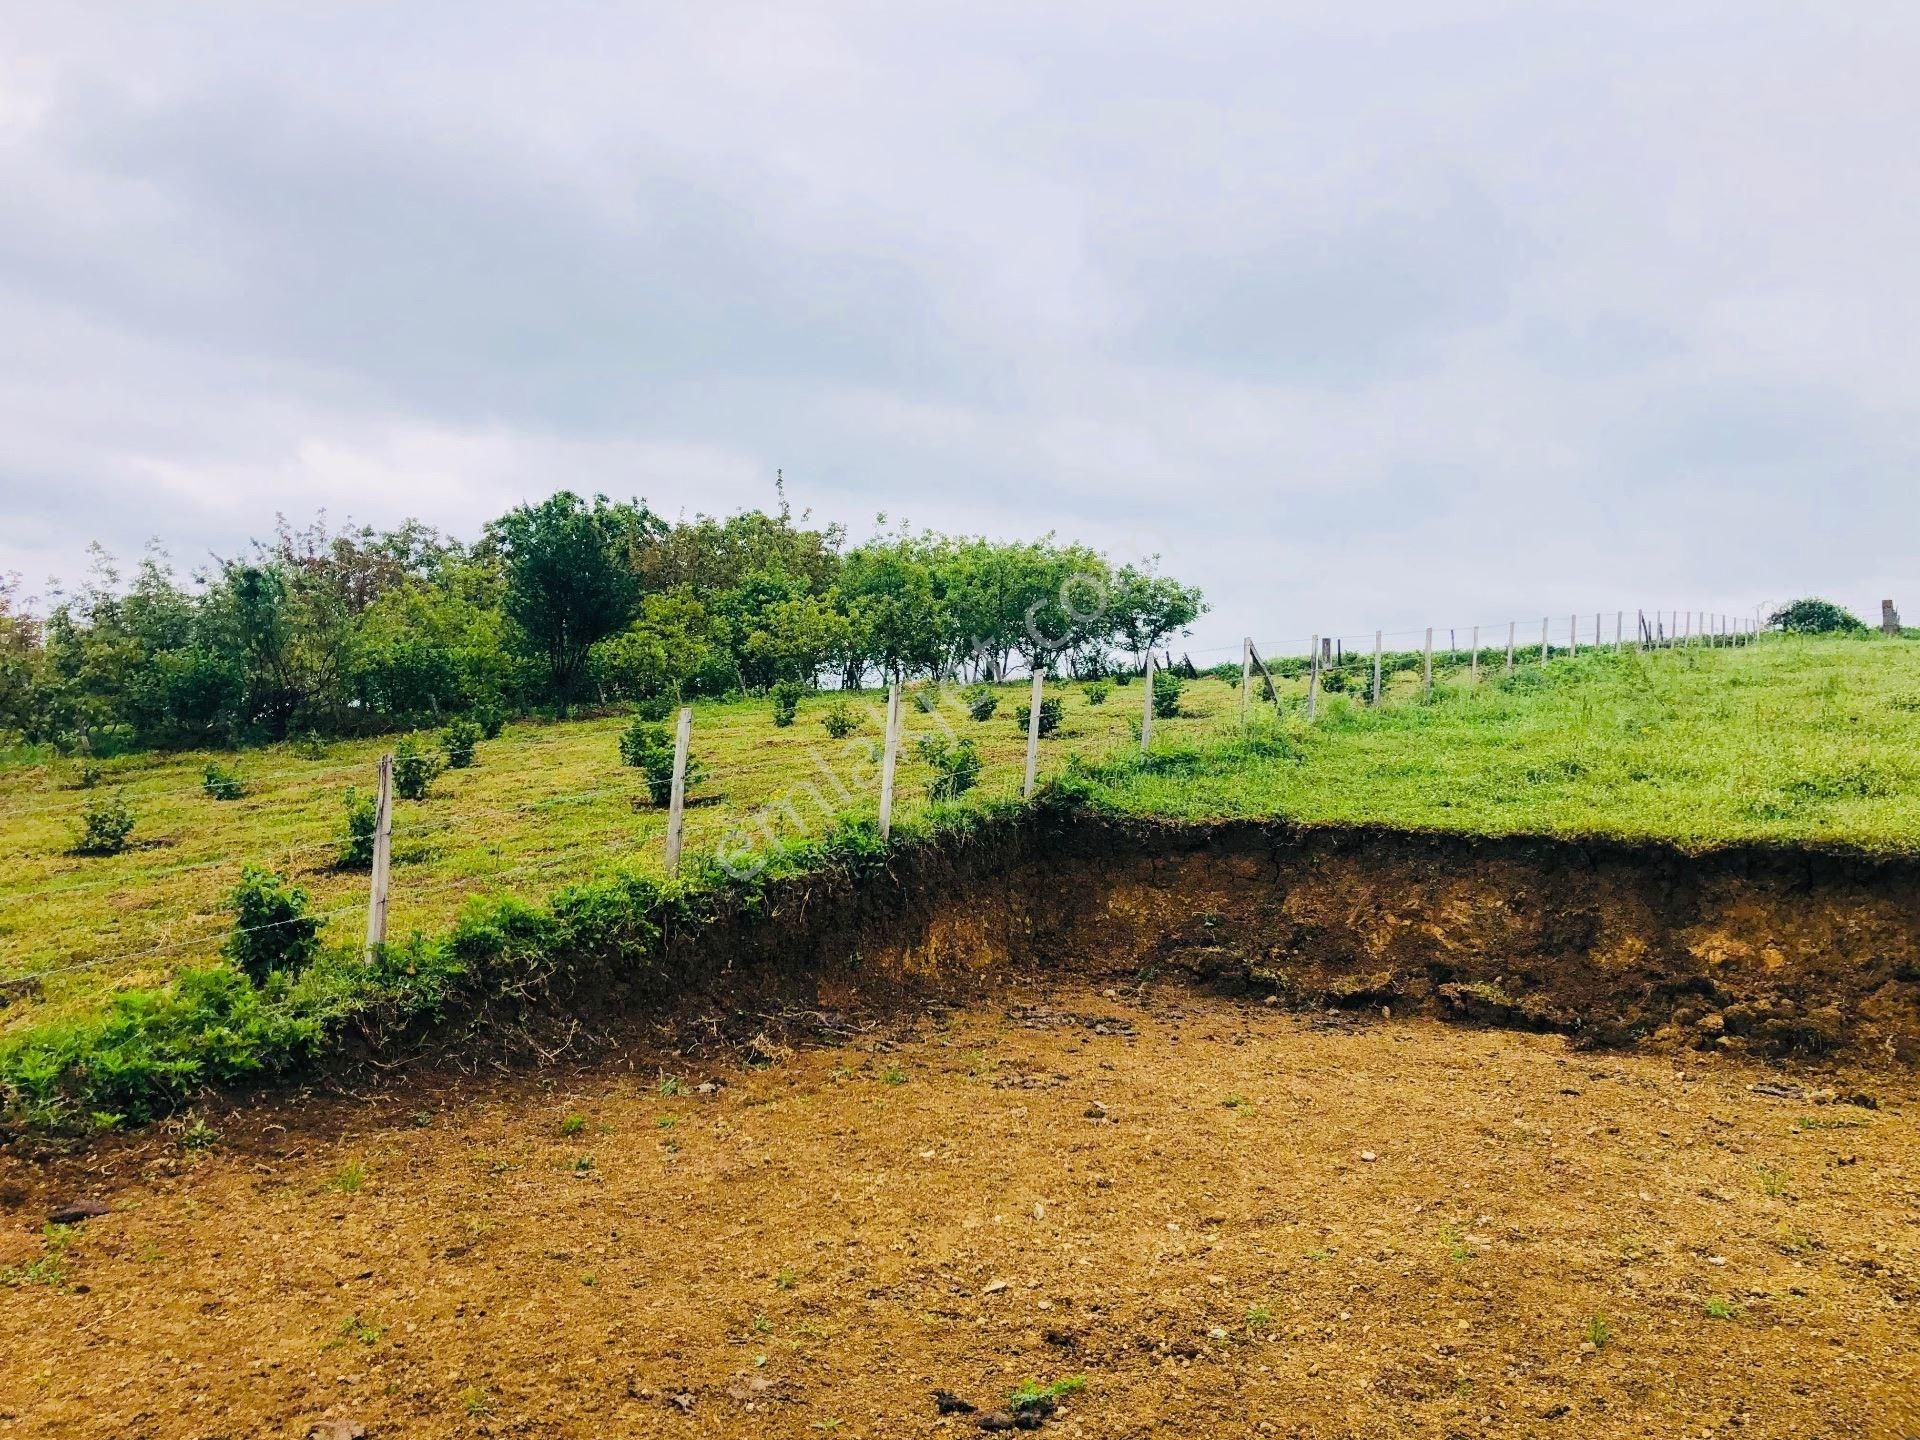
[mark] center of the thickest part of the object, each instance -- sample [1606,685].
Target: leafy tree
[1813,617]
[570,581]
[897,622]
[1146,609]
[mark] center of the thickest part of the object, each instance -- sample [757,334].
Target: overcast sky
[1371,315]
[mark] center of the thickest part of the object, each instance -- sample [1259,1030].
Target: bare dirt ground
[1229,1220]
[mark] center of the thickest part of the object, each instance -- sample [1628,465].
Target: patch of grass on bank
[1804,741]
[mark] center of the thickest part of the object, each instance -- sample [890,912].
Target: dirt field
[1228,1219]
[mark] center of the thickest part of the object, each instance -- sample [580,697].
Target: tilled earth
[1208,1218]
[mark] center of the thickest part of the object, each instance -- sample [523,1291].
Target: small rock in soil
[948,1403]
[682,1401]
[76,1212]
[1096,1111]
[337,1430]
[998,1420]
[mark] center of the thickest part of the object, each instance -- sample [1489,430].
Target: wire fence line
[853,778]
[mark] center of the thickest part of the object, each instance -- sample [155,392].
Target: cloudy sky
[1425,311]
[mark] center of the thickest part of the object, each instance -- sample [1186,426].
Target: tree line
[566,603]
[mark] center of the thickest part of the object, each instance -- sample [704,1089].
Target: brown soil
[1229,1217]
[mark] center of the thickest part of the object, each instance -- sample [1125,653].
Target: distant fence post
[1476,655]
[1619,631]
[1426,666]
[1246,676]
[1546,646]
[1146,710]
[889,755]
[1376,667]
[1573,633]
[382,859]
[1033,731]
[1512,626]
[677,797]
[1313,679]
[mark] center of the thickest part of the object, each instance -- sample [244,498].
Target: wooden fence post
[382,859]
[1313,679]
[1033,731]
[1619,631]
[1426,668]
[1475,667]
[889,755]
[1376,667]
[1511,627]
[1146,710]
[1573,633]
[1246,677]
[1546,646]
[677,797]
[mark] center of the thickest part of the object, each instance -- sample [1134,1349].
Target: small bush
[363,815]
[106,822]
[311,745]
[955,764]
[222,783]
[927,699]
[87,776]
[1097,692]
[841,720]
[272,926]
[1814,617]
[1167,689]
[1049,716]
[654,708]
[459,742]
[982,701]
[649,749]
[415,769]
[786,701]
[491,719]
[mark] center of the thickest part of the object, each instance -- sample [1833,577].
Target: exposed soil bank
[1777,951]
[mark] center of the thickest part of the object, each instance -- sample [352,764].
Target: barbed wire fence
[857,779]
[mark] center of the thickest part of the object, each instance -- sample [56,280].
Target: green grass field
[1788,740]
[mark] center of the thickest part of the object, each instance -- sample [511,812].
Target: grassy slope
[547,805]
[1809,741]
[1790,740]
[1793,740]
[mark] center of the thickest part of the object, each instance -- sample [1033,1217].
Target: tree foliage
[318,631]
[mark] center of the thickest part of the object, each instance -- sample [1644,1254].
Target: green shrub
[273,929]
[649,749]
[955,763]
[982,701]
[841,720]
[1167,689]
[491,719]
[415,768]
[87,776]
[926,699]
[106,822]
[654,708]
[786,701]
[1097,691]
[1813,617]
[151,1048]
[458,742]
[363,816]
[311,745]
[1050,714]
[222,783]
